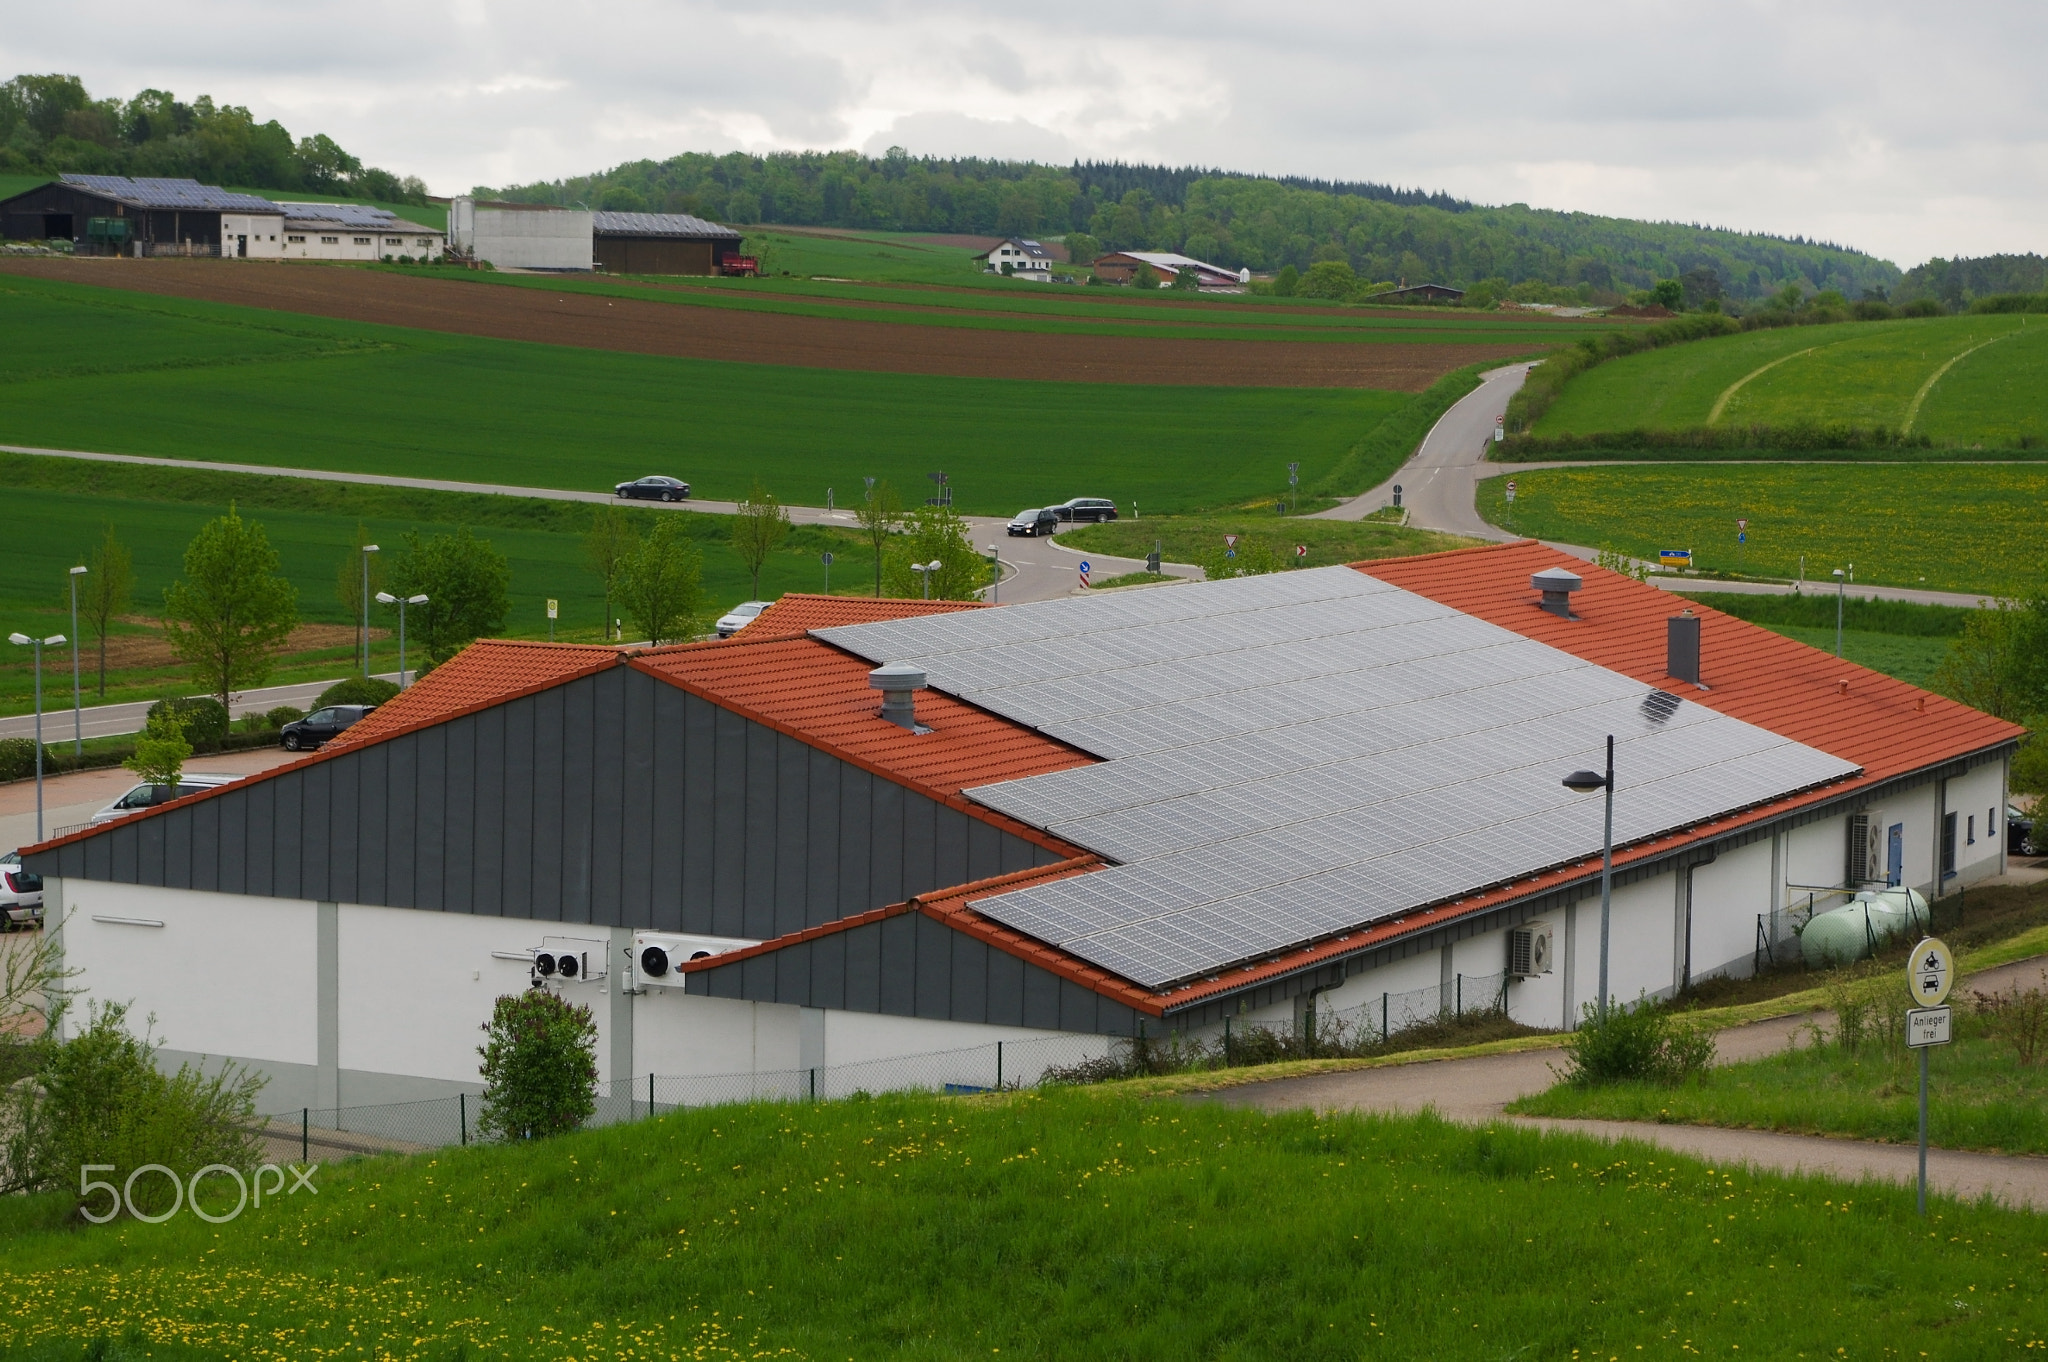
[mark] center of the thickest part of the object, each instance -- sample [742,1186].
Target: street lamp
[77,714]
[995,562]
[925,570]
[1841,585]
[386,598]
[1585,782]
[24,641]
[368,549]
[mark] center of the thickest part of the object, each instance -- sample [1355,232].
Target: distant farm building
[660,243]
[1019,257]
[1121,267]
[117,215]
[1419,293]
[521,236]
[352,231]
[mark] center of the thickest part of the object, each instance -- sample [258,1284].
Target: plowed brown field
[654,328]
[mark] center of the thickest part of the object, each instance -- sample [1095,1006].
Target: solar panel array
[171,194]
[659,224]
[1295,756]
[347,215]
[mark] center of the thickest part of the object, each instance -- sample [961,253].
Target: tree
[348,576]
[161,749]
[467,584]
[660,583]
[539,1066]
[1187,280]
[935,534]
[1999,663]
[108,587]
[612,539]
[878,516]
[1286,282]
[1669,293]
[231,613]
[1328,279]
[758,530]
[1144,277]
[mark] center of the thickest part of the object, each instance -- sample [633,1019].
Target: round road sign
[1930,973]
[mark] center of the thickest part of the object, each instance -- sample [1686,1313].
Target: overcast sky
[1904,129]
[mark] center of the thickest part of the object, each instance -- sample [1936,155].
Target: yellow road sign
[1930,973]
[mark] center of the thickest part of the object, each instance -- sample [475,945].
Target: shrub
[100,1098]
[357,690]
[204,719]
[18,758]
[540,1066]
[160,750]
[1642,1043]
[282,715]
[2019,1017]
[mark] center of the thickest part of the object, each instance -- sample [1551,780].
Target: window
[425,241]
[362,241]
[295,240]
[1971,838]
[1948,845]
[330,241]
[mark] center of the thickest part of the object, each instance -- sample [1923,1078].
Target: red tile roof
[796,612]
[487,672]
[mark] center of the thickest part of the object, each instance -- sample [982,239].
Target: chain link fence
[1778,931]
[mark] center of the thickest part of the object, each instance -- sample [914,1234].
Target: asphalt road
[102,721]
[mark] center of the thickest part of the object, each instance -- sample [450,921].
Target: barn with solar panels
[354,231]
[863,832]
[660,243]
[118,215]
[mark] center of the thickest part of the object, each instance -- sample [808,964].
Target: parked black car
[304,734]
[655,489]
[1034,523]
[1086,510]
[2019,835]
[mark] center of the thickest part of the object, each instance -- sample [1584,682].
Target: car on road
[1034,522]
[149,796]
[739,617]
[21,893]
[654,488]
[302,735]
[1086,510]
[2019,834]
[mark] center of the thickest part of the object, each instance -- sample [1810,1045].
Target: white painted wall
[534,239]
[226,975]
[264,233]
[314,240]
[1727,896]
[1978,800]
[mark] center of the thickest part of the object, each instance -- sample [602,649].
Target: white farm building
[1074,822]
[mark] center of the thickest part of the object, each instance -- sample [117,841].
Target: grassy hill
[1054,1224]
[1965,380]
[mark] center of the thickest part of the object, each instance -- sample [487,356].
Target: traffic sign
[1927,1026]
[827,555]
[1742,523]
[1742,538]
[1499,429]
[1086,568]
[1301,550]
[1511,491]
[552,606]
[1931,973]
[1229,541]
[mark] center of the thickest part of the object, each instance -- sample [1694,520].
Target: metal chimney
[1557,585]
[1682,647]
[899,683]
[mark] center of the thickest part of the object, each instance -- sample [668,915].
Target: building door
[1895,856]
[57,226]
[241,245]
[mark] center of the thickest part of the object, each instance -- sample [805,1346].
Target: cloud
[1866,123]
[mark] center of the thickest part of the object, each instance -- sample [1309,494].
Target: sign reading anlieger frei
[1927,1026]
[1930,973]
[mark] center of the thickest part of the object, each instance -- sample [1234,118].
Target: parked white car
[21,893]
[149,796]
[739,617]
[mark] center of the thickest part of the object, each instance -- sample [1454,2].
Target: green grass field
[1191,539]
[1894,637]
[1970,528]
[1958,380]
[67,505]
[312,393]
[1060,1224]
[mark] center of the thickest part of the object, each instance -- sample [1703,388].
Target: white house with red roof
[863,831]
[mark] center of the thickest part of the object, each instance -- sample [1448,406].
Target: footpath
[1475,1091]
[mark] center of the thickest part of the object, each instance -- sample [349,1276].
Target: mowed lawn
[1046,1225]
[1958,380]
[1970,527]
[91,369]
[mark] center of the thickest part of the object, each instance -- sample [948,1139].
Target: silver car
[149,796]
[21,893]
[739,617]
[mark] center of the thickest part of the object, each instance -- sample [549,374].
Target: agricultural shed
[353,231]
[1266,799]
[116,214]
[521,236]
[1419,293]
[1120,267]
[659,243]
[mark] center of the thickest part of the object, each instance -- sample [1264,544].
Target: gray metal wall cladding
[912,966]
[616,800]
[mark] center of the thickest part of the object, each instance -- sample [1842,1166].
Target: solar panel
[659,224]
[171,194]
[1292,756]
[347,215]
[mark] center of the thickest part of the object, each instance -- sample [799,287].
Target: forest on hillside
[51,125]
[1957,283]
[1230,219]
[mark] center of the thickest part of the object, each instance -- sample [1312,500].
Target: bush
[357,690]
[203,718]
[282,715]
[1642,1044]
[540,1066]
[101,1099]
[18,758]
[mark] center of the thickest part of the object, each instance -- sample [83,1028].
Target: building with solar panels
[660,243]
[898,843]
[354,231]
[117,215]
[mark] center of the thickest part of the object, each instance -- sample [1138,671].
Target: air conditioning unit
[570,959]
[658,956]
[1866,855]
[1529,950]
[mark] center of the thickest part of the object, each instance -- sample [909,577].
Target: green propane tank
[1869,920]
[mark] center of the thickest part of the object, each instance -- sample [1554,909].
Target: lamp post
[386,598]
[24,641]
[1841,585]
[995,562]
[925,570]
[1585,782]
[368,549]
[77,714]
